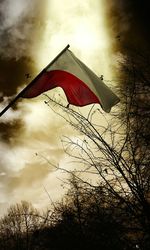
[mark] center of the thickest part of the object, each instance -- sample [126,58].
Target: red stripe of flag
[77,92]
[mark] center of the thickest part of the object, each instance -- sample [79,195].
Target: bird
[106,171]
[28,75]
[118,37]
[102,77]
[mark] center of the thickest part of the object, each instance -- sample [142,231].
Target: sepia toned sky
[32,33]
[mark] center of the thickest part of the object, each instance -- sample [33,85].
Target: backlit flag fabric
[81,85]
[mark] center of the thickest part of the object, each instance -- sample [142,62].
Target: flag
[80,84]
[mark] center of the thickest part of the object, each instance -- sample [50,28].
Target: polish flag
[80,84]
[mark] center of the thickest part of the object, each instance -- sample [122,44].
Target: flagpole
[33,81]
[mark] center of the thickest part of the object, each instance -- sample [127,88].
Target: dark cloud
[12,74]
[19,37]
[20,29]
[9,130]
[129,24]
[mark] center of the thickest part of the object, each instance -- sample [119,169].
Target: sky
[32,33]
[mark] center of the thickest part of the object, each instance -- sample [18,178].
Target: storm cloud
[128,22]
[32,33]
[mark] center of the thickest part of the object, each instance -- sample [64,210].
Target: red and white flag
[81,85]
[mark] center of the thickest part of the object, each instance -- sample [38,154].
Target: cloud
[128,23]
[18,21]
[33,36]
[19,29]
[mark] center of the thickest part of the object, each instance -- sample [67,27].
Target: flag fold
[80,84]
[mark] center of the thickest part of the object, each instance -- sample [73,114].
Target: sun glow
[82,25]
